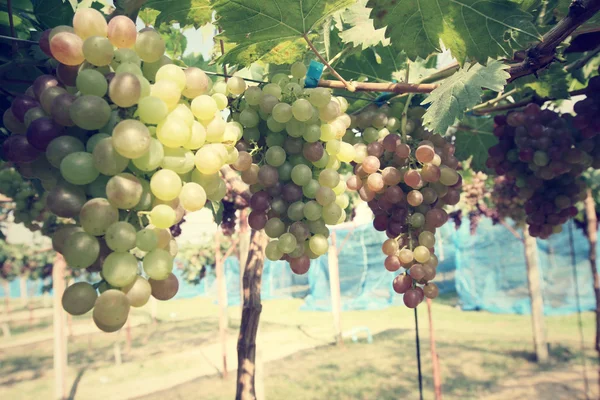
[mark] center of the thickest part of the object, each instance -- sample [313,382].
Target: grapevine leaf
[462,91]
[552,82]
[187,12]
[217,211]
[259,26]
[129,8]
[419,69]
[471,29]
[473,137]
[148,15]
[375,64]
[361,32]
[17,5]
[51,13]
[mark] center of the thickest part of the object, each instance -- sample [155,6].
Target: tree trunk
[334,288]
[592,236]
[252,307]
[435,361]
[535,295]
[60,338]
[222,300]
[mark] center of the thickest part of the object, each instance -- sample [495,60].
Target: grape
[98,51]
[318,244]
[274,228]
[78,168]
[46,100]
[97,215]
[42,131]
[329,178]
[411,298]
[300,265]
[164,289]
[173,133]
[146,240]
[131,138]
[302,110]
[165,184]
[152,159]
[163,216]
[106,159]
[120,269]
[431,290]
[60,237]
[17,149]
[272,251]
[236,85]
[111,310]
[67,48]
[12,123]
[275,156]
[79,298]
[81,250]
[89,22]
[94,140]
[61,147]
[197,82]
[287,243]
[149,45]
[320,97]
[122,32]
[124,191]
[120,236]
[60,109]
[40,84]
[158,264]
[125,89]
[90,112]
[192,196]
[65,200]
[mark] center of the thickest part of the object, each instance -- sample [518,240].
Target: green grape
[129,68]
[93,141]
[285,171]
[329,178]
[120,236]
[111,310]
[81,250]
[272,89]
[171,72]
[215,130]
[124,191]
[301,175]
[149,46]
[197,137]
[192,197]
[312,133]
[179,160]
[78,168]
[342,200]
[79,298]
[310,189]
[280,79]
[131,138]
[90,112]
[287,243]
[275,156]
[62,234]
[320,97]
[168,92]
[347,153]
[318,227]
[325,196]
[274,228]
[138,292]
[253,95]
[146,240]
[152,158]
[123,56]
[163,216]
[184,113]
[249,118]
[219,193]
[302,110]
[332,214]
[150,69]
[165,184]
[295,211]
[312,210]
[236,85]
[107,160]
[298,70]
[124,89]
[197,82]
[98,51]
[145,202]
[97,215]
[448,176]
[61,147]
[272,251]
[274,126]
[295,128]
[220,86]
[282,113]
[318,244]
[158,264]
[204,107]
[120,269]
[209,159]
[98,187]
[221,101]
[48,96]
[421,254]
[173,132]
[146,89]
[12,123]
[210,182]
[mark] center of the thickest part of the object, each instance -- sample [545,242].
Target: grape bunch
[291,153]
[506,201]
[28,205]
[406,181]
[544,154]
[474,199]
[124,142]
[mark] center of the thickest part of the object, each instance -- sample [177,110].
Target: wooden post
[246,346]
[222,300]
[435,361]
[535,295]
[6,285]
[154,309]
[128,335]
[243,248]
[117,351]
[334,287]
[23,290]
[60,338]
[592,236]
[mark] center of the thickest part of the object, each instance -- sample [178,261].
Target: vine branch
[342,81]
[522,103]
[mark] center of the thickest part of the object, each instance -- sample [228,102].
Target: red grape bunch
[406,183]
[544,154]
[290,156]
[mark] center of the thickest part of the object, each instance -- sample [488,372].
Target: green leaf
[552,82]
[129,8]
[148,15]
[419,69]
[187,12]
[217,210]
[462,91]
[473,137]
[375,64]
[51,13]
[471,29]
[17,5]
[261,25]
[361,32]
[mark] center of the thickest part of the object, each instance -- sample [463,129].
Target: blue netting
[491,273]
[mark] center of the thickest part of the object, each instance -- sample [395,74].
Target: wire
[13,39]
[229,76]
[418,354]
[579,322]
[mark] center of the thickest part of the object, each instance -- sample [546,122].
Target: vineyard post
[60,337]
[592,236]
[23,290]
[334,287]
[222,300]
[6,285]
[435,361]
[535,295]
[243,249]
[252,307]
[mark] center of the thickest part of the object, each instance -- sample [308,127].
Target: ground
[482,355]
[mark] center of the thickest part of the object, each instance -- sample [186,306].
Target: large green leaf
[376,64]
[551,82]
[360,30]
[260,26]
[471,29]
[473,137]
[51,13]
[187,12]
[462,91]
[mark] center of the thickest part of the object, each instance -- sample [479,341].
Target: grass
[478,352]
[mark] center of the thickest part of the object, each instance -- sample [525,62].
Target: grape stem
[222,45]
[582,61]
[350,87]
[405,118]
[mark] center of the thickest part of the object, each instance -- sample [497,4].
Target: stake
[222,300]
[437,379]
[592,236]
[334,287]
[60,338]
